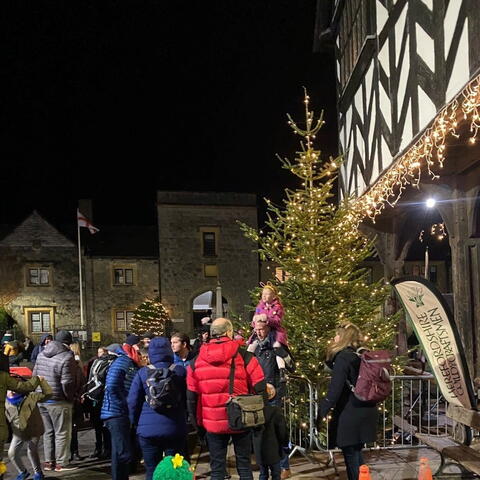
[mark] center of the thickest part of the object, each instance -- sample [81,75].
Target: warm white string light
[429,151]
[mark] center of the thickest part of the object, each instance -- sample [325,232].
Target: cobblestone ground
[384,464]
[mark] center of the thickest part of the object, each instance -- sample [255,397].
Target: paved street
[385,464]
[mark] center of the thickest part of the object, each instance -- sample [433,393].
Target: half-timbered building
[408,97]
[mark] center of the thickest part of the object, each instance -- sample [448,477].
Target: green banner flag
[436,330]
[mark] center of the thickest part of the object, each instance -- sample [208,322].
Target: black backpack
[95,387]
[164,391]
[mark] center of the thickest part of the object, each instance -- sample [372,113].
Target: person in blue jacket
[44,341]
[158,434]
[114,410]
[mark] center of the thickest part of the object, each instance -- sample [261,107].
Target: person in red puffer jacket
[208,392]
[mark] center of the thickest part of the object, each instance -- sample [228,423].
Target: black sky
[112,100]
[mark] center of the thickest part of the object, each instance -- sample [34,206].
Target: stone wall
[103,298]
[61,296]
[181,218]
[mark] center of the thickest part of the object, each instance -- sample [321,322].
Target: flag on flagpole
[83,221]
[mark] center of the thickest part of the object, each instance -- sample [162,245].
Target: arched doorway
[203,305]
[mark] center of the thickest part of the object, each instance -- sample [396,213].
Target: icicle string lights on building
[429,151]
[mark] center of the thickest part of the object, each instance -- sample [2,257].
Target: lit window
[38,276]
[123,320]
[40,322]
[123,276]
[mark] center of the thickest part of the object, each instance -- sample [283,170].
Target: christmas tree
[320,249]
[151,316]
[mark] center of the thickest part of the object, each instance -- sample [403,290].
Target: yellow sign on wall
[96,336]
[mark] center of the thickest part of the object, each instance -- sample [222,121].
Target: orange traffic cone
[364,473]
[425,472]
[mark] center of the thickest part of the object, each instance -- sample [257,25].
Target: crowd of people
[144,396]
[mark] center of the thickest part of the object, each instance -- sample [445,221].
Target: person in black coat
[270,440]
[353,423]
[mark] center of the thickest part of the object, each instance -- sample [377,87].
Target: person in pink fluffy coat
[270,310]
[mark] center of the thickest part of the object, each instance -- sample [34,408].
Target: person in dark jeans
[353,422]
[218,444]
[353,459]
[115,411]
[119,428]
[102,434]
[269,442]
[266,355]
[208,386]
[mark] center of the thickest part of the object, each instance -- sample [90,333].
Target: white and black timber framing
[411,58]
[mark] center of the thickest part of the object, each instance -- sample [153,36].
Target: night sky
[112,100]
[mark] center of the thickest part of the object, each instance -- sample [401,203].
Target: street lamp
[430,203]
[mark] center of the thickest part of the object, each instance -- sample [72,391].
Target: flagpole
[80,272]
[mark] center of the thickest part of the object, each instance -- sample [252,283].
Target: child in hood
[24,416]
[270,311]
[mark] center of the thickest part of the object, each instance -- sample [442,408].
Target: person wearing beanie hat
[203,336]
[173,468]
[56,362]
[64,336]
[130,347]
[146,337]
[132,340]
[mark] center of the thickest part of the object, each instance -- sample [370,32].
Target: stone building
[201,245]
[120,272]
[408,97]
[40,274]
[196,245]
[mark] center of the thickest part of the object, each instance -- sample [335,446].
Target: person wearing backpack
[93,397]
[24,416]
[353,422]
[157,405]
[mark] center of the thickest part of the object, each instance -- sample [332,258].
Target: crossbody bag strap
[232,374]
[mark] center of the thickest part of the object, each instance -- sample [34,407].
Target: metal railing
[415,406]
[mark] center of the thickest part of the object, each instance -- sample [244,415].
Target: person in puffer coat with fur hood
[158,433]
[208,378]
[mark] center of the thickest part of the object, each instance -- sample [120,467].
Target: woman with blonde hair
[353,423]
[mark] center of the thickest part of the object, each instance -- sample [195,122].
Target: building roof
[122,241]
[35,231]
[110,241]
[207,198]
